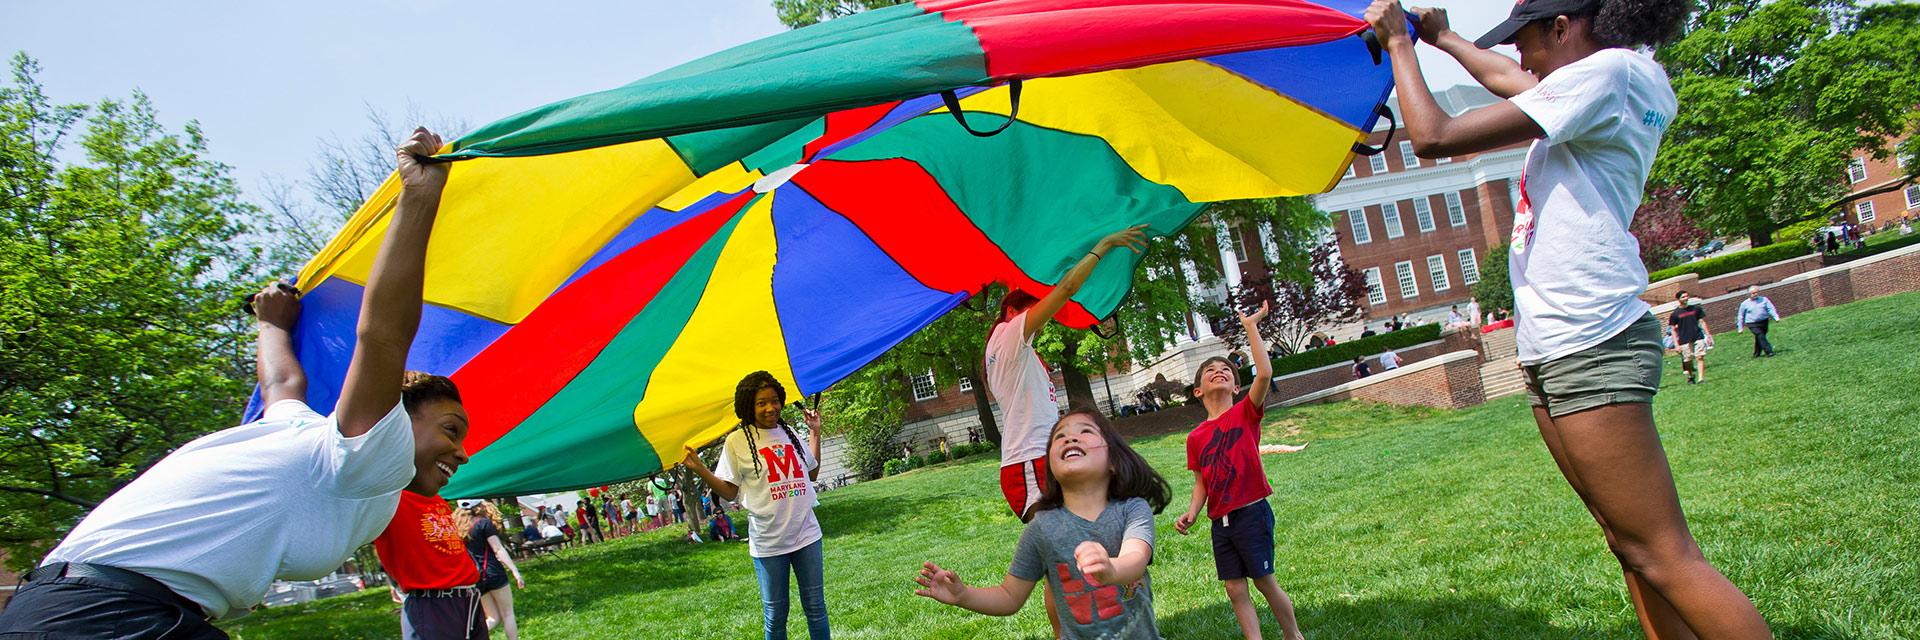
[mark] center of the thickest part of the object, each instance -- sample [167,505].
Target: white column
[1229,260]
[1267,243]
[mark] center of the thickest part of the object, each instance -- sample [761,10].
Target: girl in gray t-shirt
[1091,538]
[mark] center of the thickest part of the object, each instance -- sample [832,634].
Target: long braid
[753,450]
[796,442]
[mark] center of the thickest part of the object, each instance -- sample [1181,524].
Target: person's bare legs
[1615,453]
[1243,610]
[1281,605]
[1657,617]
[502,599]
[486,609]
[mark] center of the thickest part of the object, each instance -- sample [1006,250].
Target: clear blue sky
[267,80]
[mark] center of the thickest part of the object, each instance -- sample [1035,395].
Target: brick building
[1865,174]
[1417,229]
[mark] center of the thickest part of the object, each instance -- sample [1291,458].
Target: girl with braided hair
[1593,106]
[763,467]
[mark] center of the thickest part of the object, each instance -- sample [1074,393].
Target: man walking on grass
[1755,313]
[1690,336]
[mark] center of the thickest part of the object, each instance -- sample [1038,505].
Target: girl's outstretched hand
[1094,562]
[940,584]
[1134,237]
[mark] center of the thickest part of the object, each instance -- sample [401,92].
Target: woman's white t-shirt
[1576,269]
[778,497]
[1018,379]
[283,497]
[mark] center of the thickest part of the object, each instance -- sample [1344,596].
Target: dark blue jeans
[807,567]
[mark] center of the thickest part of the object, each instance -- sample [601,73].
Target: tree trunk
[989,428]
[1079,390]
[1760,235]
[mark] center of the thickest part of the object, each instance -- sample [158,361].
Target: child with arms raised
[1230,481]
[1091,538]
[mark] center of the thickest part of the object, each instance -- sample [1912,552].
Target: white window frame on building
[1350,171]
[1409,283]
[1857,170]
[1362,231]
[1238,242]
[1407,157]
[1378,163]
[966,384]
[1456,210]
[1913,196]
[925,380]
[1437,270]
[1376,291]
[1423,214]
[1863,211]
[1469,267]
[1390,218]
[1443,160]
[1513,193]
[1900,154]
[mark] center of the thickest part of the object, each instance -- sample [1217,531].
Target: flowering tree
[1663,227]
[1329,293]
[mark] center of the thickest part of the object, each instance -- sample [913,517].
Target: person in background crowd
[1473,312]
[1756,312]
[1389,361]
[1690,337]
[1360,368]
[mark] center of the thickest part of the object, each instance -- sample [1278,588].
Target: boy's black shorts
[1243,542]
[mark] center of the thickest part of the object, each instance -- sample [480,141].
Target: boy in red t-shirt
[422,551]
[1230,481]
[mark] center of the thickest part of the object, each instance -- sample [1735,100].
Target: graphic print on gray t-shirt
[1105,612]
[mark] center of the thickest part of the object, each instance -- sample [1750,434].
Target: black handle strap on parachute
[1013,110]
[1393,127]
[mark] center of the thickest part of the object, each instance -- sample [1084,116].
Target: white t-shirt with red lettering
[778,496]
[1576,270]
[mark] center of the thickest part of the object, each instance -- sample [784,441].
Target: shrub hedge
[954,452]
[1723,265]
[1347,351]
[1876,249]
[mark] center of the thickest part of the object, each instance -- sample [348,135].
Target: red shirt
[421,549]
[1226,452]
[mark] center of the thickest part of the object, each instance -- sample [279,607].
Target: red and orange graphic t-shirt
[421,549]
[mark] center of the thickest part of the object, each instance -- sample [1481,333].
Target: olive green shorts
[1623,370]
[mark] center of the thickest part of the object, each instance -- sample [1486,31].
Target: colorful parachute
[605,269]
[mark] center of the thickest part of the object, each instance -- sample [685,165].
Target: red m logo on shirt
[783,462]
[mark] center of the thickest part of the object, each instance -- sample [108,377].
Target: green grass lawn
[1799,475]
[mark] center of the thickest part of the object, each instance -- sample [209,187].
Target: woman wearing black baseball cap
[1593,109]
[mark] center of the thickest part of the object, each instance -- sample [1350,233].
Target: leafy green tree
[1775,97]
[801,13]
[1494,292]
[120,275]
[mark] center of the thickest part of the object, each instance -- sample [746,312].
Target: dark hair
[1203,369]
[1640,23]
[1132,477]
[419,387]
[1680,294]
[1014,302]
[743,394]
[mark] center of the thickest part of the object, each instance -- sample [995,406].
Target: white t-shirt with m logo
[779,497]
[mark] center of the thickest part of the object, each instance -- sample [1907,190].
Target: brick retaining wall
[1450,381]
